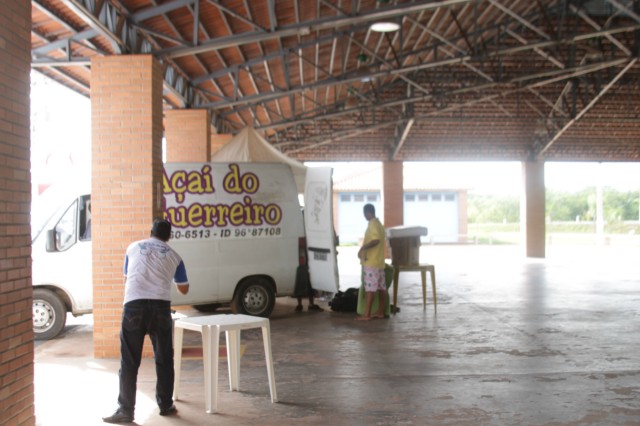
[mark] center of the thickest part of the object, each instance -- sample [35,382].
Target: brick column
[392,196]
[126,113]
[393,193]
[188,134]
[532,209]
[16,326]
[218,141]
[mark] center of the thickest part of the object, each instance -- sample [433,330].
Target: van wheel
[49,314]
[255,296]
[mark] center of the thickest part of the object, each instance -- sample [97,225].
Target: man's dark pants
[141,317]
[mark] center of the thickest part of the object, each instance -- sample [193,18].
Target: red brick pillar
[392,196]
[16,329]
[188,134]
[126,108]
[393,193]
[218,141]
[532,208]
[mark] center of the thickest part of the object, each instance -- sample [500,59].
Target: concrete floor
[515,341]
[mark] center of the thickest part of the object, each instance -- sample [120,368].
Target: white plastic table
[210,327]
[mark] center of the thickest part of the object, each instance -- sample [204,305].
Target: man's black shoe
[118,417]
[168,411]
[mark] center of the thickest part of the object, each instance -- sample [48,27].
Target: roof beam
[135,18]
[621,7]
[540,52]
[586,108]
[403,138]
[354,76]
[487,86]
[94,22]
[307,27]
[520,19]
[561,75]
[155,11]
[581,13]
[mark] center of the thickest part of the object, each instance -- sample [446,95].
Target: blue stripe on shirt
[181,274]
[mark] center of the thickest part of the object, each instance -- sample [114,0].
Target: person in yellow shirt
[371,256]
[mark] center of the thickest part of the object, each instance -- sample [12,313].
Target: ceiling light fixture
[385,27]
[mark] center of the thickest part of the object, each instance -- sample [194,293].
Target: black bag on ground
[345,301]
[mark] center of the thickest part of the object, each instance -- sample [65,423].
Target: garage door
[351,221]
[438,211]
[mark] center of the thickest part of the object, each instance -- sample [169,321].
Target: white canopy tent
[249,145]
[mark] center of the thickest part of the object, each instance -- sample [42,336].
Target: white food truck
[239,228]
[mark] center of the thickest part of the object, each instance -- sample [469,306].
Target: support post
[532,209]
[126,184]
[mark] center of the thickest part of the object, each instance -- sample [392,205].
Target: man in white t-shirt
[150,266]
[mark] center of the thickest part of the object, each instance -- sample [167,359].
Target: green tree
[561,206]
[493,209]
[568,206]
[620,206]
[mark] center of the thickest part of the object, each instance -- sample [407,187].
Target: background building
[441,207]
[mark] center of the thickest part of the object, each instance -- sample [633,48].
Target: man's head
[161,229]
[369,211]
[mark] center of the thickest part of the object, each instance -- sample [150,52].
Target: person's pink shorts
[373,279]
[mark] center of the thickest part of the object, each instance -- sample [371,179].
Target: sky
[61,146]
[60,132]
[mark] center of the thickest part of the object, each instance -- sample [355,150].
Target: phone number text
[203,234]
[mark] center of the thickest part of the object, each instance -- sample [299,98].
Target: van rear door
[318,222]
